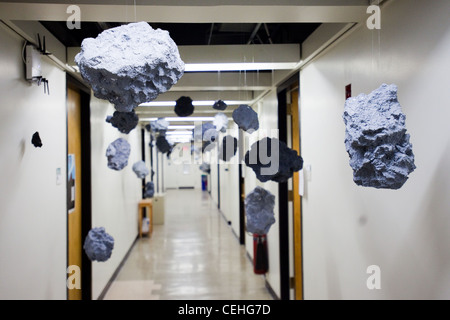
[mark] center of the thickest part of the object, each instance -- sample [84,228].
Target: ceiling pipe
[255,31]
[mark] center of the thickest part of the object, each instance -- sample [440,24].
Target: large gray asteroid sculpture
[130,64]
[184,107]
[140,169]
[221,122]
[246,118]
[271,159]
[259,205]
[117,153]
[376,140]
[228,148]
[149,190]
[123,121]
[220,105]
[162,144]
[98,245]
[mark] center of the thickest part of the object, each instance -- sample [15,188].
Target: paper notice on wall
[301,183]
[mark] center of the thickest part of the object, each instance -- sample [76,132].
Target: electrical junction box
[33,63]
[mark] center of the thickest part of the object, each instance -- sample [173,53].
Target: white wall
[229,183]
[181,170]
[268,122]
[115,194]
[33,207]
[347,228]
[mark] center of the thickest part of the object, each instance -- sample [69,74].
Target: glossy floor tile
[193,255]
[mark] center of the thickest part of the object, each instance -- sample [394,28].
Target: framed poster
[71,182]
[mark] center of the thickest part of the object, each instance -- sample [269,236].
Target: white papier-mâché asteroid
[140,169]
[221,122]
[98,245]
[259,205]
[159,125]
[376,140]
[117,153]
[123,121]
[246,118]
[130,64]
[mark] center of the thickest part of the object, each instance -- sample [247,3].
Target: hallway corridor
[193,255]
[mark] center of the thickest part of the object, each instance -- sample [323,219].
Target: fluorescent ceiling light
[181,127]
[199,67]
[188,119]
[194,103]
[179,133]
[181,119]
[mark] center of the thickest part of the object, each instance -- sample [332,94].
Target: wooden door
[74,236]
[296,200]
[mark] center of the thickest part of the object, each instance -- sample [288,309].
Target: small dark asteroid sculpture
[98,245]
[268,163]
[36,140]
[149,190]
[246,118]
[140,169]
[259,205]
[162,144]
[220,105]
[117,153]
[205,167]
[228,148]
[184,107]
[124,121]
[376,140]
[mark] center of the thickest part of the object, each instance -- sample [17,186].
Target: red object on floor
[260,257]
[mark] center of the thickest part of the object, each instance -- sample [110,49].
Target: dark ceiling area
[196,33]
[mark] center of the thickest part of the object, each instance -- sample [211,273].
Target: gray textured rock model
[140,169]
[205,132]
[272,159]
[259,205]
[130,64]
[205,167]
[162,144]
[376,140]
[117,153]
[123,121]
[149,190]
[246,118]
[98,245]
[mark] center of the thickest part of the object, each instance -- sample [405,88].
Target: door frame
[286,283]
[86,186]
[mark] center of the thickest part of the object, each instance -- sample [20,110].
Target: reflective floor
[193,255]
